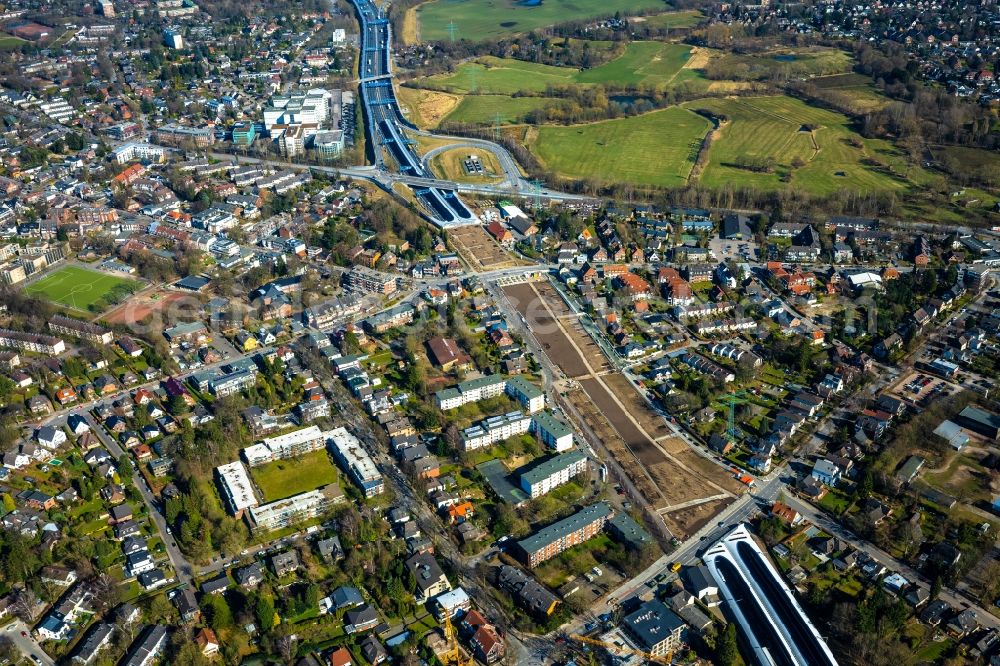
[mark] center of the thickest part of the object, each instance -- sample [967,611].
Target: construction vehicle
[453,656]
[620,650]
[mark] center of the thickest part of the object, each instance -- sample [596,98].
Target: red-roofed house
[500,233]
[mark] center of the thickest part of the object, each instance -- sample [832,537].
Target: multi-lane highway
[384,122]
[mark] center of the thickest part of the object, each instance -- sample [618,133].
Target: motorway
[384,122]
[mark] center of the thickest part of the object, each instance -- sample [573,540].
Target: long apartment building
[531,398]
[470,391]
[236,489]
[553,539]
[32,342]
[494,429]
[552,472]
[369,281]
[80,329]
[290,444]
[356,462]
[285,512]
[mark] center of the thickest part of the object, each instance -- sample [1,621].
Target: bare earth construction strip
[684,488]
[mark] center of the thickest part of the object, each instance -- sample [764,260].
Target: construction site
[664,474]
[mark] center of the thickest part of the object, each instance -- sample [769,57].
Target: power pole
[536,186]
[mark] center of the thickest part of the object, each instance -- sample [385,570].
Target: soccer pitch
[79,288]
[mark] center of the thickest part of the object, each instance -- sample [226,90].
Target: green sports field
[657,148]
[478,20]
[649,63]
[81,288]
[810,148]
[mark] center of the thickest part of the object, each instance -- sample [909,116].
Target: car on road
[35,659]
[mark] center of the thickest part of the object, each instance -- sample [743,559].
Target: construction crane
[453,655]
[617,650]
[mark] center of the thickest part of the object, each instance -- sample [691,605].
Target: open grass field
[284,478]
[620,150]
[479,20]
[668,20]
[483,109]
[649,63]
[814,61]
[856,91]
[776,128]
[10,42]
[500,76]
[78,288]
[426,108]
[653,63]
[450,165]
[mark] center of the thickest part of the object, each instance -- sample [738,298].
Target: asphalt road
[26,644]
[824,522]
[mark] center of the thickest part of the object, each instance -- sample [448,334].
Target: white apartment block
[353,458]
[473,390]
[31,342]
[236,488]
[494,429]
[552,473]
[287,445]
[553,432]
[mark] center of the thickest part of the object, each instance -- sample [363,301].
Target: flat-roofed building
[657,628]
[287,445]
[370,281]
[351,455]
[285,512]
[494,429]
[236,488]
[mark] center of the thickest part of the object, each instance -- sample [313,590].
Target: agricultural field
[284,478]
[618,150]
[812,149]
[82,288]
[480,20]
[642,63]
